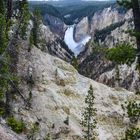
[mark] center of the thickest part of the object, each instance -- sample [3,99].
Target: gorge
[106,27]
[62,55]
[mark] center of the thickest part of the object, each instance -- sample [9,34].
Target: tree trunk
[88,131]
[117,76]
[8,104]
[136,14]
[9,9]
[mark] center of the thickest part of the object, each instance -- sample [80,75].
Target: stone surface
[95,66]
[51,107]
[82,29]
[7,134]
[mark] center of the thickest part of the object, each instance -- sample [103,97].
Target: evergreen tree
[2,7]
[88,120]
[36,23]
[9,9]
[24,16]
[4,69]
[133,113]
[121,54]
[74,62]
[133,110]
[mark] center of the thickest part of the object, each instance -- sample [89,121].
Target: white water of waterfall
[75,47]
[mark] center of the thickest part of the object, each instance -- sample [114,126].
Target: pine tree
[74,62]
[133,113]
[25,16]
[36,23]
[88,120]
[133,110]
[9,9]
[4,69]
[2,7]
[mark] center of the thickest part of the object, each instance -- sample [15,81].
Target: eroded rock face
[58,93]
[120,35]
[94,65]
[100,20]
[56,25]
[54,44]
[108,16]
[82,29]
[97,67]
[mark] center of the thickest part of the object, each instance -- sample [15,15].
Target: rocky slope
[53,43]
[102,19]
[111,31]
[106,27]
[7,134]
[108,16]
[58,93]
[56,25]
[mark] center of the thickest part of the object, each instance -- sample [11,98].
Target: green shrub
[133,110]
[48,137]
[122,54]
[17,126]
[33,131]
[1,111]
[74,62]
[132,134]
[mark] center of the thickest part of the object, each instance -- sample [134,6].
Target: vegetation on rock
[17,126]
[133,112]
[135,5]
[74,62]
[122,54]
[88,120]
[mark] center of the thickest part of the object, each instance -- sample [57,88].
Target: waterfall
[75,47]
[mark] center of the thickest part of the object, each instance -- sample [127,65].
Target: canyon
[106,27]
[53,91]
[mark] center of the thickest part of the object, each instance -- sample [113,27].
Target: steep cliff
[54,44]
[102,19]
[108,28]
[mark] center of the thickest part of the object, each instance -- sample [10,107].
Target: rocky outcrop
[97,67]
[112,29]
[58,94]
[82,29]
[120,35]
[56,25]
[100,20]
[108,16]
[52,43]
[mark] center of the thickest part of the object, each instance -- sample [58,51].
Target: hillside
[63,75]
[58,93]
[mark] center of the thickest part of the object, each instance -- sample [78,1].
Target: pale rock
[57,102]
[7,134]
[106,17]
[82,29]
